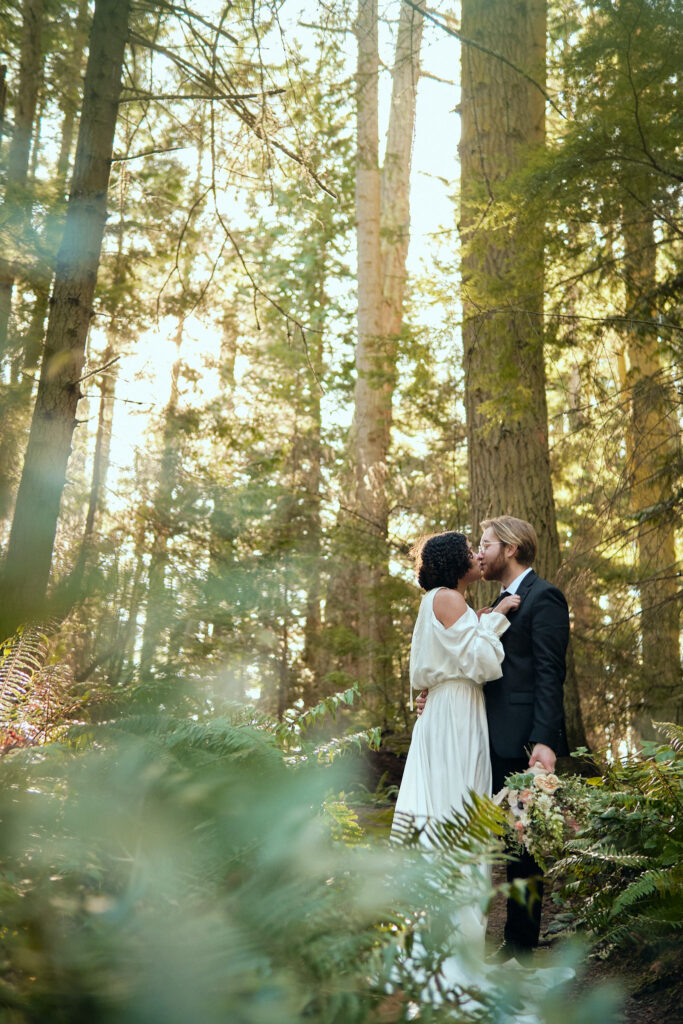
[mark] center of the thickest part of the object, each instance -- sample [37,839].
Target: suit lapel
[522,588]
[526,583]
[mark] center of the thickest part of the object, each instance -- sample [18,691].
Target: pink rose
[547,783]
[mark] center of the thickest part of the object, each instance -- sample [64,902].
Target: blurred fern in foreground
[162,869]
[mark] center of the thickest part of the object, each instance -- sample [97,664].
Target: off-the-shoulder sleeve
[473,646]
[495,622]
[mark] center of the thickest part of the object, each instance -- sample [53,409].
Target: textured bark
[16,207]
[370,425]
[503,123]
[312,478]
[15,407]
[652,450]
[3,98]
[27,565]
[395,184]
[383,230]
[69,99]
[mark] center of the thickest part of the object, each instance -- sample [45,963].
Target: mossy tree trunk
[27,564]
[652,460]
[503,126]
[15,211]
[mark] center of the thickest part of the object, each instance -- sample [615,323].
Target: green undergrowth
[162,868]
[621,878]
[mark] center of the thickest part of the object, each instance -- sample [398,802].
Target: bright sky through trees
[144,372]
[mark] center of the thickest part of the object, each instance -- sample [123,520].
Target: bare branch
[236,105]
[100,369]
[490,53]
[141,94]
[186,14]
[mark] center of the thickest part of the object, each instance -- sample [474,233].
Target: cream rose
[547,783]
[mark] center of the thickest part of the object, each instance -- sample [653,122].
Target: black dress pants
[523,923]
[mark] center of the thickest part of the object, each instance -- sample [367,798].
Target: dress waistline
[459,680]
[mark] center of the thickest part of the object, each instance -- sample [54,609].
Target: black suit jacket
[525,706]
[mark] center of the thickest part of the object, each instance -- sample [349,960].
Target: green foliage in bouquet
[543,811]
[623,873]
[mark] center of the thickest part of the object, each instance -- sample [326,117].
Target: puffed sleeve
[474,647]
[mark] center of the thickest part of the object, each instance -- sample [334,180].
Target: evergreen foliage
[217,565]
[164,869]
[623,874]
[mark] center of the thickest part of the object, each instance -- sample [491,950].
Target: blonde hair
[510,530]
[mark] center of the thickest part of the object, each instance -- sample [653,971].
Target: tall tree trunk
[102,446]
[383,230]
[158,618]
[69,100]
[283,666]
[16,207]
[16,403]
[37,125]
[652,451]
[27,565]
[124,667]
[503,123]
[395,185]
[370,426]
[312,480]
[3,99]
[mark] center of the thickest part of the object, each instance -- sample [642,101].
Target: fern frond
[328,706]
[325,753]
[21,657]
[191,741]
[673,733]
[49,702]
[658,881]
[605,854]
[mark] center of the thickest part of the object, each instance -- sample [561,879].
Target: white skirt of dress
[449,754]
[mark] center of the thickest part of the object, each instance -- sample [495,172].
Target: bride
[453,653]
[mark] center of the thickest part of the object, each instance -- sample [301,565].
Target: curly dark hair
[441,560]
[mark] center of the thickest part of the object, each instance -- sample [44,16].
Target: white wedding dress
[449,749]
[448,758]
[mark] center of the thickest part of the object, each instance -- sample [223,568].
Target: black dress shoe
[511,951]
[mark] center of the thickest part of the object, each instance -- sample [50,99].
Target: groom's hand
[421,700]
[542,755]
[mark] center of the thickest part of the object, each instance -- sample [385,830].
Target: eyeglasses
[488,544]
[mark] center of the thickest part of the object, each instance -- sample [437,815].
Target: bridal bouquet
[543,811]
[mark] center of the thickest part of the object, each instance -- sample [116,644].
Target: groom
[524,707]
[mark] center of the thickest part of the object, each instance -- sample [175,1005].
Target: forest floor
[653,990]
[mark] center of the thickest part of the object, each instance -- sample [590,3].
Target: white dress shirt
[513,587]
